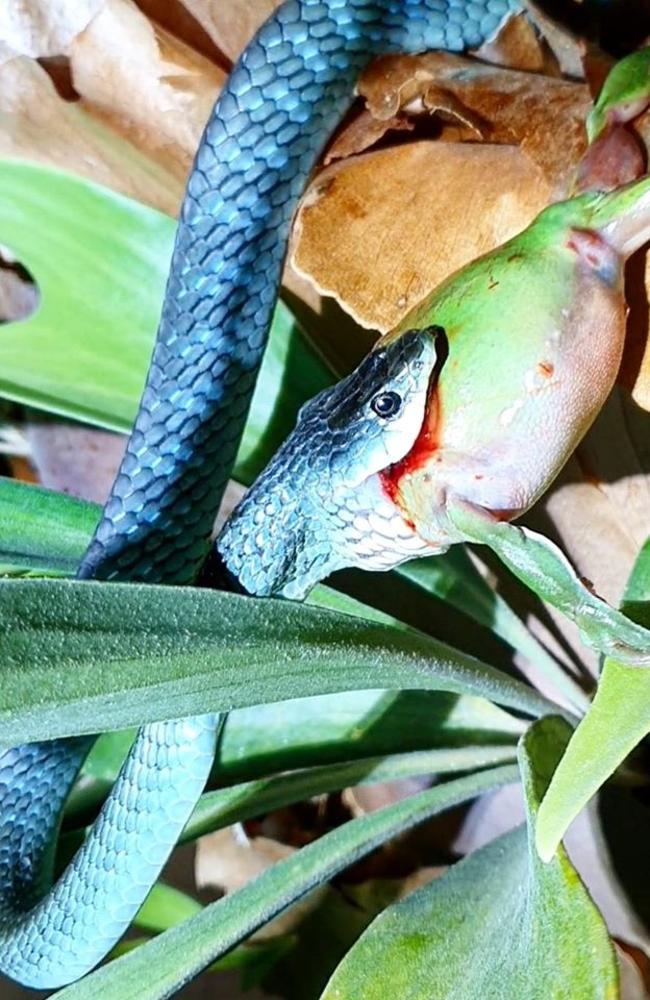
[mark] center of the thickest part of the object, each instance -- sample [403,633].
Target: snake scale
[286,94]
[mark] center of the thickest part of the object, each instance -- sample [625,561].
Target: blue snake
[283,99]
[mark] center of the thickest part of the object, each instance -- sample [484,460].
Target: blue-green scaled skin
[281,102]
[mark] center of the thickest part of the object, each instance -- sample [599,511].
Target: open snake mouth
[428,440]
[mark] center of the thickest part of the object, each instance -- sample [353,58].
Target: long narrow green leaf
[41,531]
[101,262]
[498,925]
[80,657]
[220,808]
[268,739]
[161,967]
[46,533]
[618,719]
[165,907]
[457,581]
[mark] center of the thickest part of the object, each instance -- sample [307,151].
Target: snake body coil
[284,97]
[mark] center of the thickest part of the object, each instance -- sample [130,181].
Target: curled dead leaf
[231,25]
[520,46]
[607,475]
[363,799]
[143,80]
[37,124]
[543,115]
[568,49]
[381,230]
[44,29]
[228,859]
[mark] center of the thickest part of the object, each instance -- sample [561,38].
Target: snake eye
[386,404]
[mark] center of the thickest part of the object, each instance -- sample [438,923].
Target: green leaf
[543,567]
[165,907]
[46,533]
[159,968]
[78,657]
[42,531]
[101,263]
[499,924]
[454,578]
[253,960]
[243,801]
[618,719]
[266,739]
[225,806]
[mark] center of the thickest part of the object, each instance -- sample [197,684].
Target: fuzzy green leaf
[618,719]
[159,968]
[79,657]
[42,532]
[497,925]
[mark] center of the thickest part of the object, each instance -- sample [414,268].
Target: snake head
[320,504]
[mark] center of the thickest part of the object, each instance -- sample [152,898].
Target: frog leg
[624,94]
[542,566]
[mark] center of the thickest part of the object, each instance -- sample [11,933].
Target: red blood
[425,446]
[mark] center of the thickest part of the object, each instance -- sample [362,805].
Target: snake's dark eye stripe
[386,404]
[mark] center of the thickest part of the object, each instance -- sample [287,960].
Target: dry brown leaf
[231,25]
[153,86]
[641,385]
[364,799]
[599,507]
[380,231]
[543,115]
[519,46]
[174,17]
[568,50]
[18,297]
[632,986]
[37,124]
[73,459]
[44,29]
[228,859]
[362,132]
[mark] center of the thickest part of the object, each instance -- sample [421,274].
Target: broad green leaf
[499,924]
[79,657]
[618,719]
[159,968]
[42,531]
[101,262]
